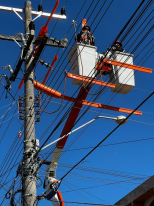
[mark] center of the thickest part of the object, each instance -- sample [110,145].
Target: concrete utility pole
[28,167]
[29,180]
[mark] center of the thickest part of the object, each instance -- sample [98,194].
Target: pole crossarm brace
[18,67]
[53,42]
[34,13]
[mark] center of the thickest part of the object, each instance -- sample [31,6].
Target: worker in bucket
[117,47]
[85,36]
[106,67]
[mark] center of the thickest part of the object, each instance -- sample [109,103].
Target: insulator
[20,98]
[32,26]
[37,112]
[10,69]
[38,119]
[40,7]
[37,98]
[63,12]
[37,104]
[23,39]
[20,104]
[21,117]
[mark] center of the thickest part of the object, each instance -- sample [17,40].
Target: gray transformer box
[82,59]
[122,77]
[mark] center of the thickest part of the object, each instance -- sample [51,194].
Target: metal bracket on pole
[17,14]
[22,39]
[16,42]
[8,86]
[18,67]
[34,13]
[40,14]
[9,67]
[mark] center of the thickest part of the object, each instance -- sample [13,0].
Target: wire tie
[30,177]
[27,140]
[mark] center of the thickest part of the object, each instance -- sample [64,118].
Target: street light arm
[69,133]
[113,118]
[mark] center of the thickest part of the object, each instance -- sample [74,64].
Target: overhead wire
[80,9]
[63,118]
[86,192]
[82,132]
[2,94]
[107,136]
[116,173]
[77,192]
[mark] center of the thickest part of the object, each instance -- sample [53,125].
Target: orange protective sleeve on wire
[53,11]
[125,65]
[51,92]
[98,105]
[47,90]
[42,32]
[86,79]
[21,83]
[60,198]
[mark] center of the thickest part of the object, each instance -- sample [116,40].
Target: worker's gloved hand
[109,48]
[113,48]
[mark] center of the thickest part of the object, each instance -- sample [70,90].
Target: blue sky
[119,168]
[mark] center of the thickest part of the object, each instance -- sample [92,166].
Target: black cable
[8,125]
[87,192]
[104,172]
[102,15]
[107,136]
[148,4]
[139,27]
[2,94]
[118,143]
[85,203]
[62,120]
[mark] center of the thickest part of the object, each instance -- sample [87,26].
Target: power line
[107,136]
